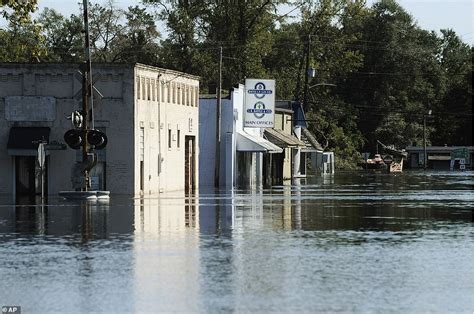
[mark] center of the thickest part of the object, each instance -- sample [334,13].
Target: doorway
[28,178]
[189,164]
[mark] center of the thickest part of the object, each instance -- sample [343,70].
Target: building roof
[310,140]
[281,139]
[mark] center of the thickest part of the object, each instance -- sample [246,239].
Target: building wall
[166,103]
[207,134]
[207,142]
[114,113]
[121,113]
[283,123]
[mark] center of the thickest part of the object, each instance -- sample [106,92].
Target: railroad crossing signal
[96,93]
[75,138]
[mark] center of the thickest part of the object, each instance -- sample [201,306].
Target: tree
[63,36]
[21,40]
[139,43]
[106,31]
[453,114]
[400,79]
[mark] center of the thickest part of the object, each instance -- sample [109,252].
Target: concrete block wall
[120,113]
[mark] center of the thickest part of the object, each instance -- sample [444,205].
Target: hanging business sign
[259,108]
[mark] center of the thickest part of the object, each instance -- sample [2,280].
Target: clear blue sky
[429,14]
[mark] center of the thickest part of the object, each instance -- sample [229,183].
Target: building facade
[249,157]
[441,157]
[150,116]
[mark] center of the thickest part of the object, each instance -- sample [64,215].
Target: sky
[429,14]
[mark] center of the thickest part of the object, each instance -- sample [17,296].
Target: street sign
[41,155]
[259,108]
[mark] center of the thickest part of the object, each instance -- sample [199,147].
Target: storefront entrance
[28,178]
[189,164]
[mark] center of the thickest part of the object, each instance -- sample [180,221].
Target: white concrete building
[247,155]
[149,114]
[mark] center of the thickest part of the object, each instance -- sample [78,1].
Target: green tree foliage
[378,73]
[197,28]
[116,35]
[63,36]
[140,43]
[21,40]
[331,29]
[453,113]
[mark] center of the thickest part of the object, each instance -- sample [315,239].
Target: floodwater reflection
[360,242]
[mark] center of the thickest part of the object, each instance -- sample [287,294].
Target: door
[28,178]
[189,164]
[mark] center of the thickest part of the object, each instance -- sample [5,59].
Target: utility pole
[218,123]
[306,77]
[86,94]
[425,158]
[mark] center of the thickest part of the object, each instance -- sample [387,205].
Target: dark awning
[23,141]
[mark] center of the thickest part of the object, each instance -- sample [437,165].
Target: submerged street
[350,242]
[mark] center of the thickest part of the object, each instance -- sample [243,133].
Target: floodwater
[355,242]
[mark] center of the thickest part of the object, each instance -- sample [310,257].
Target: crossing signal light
[97,138]
[74,138]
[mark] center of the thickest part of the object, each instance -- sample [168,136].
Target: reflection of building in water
[90,221]
[216,215]
[167,241]
[165,244]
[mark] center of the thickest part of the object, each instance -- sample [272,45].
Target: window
[196,89]
[163,91]
[169,138]
[143,88]
[183,95]
[173,93]
[178,135]
[153,90]
[158,90]
[148,89]
[138,87]
[169,92]
[187,95]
